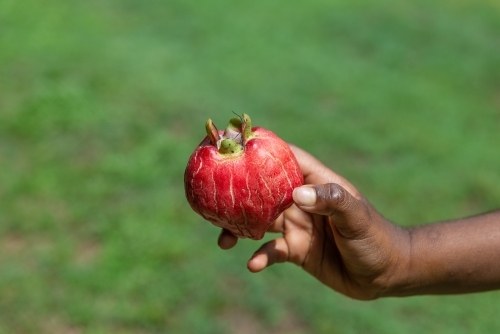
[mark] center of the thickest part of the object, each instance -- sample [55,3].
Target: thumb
[350,216]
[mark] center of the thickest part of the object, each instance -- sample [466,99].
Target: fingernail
[305,196]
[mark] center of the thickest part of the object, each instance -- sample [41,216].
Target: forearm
[458,256]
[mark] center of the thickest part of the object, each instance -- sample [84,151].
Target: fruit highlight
[241,179]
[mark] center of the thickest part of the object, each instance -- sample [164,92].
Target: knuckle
[333,198]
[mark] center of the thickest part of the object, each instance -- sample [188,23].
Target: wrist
[415,275]
[398,279]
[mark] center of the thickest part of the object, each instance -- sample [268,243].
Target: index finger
[316,173]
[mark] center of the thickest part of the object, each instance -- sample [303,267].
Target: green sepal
[233,129]
[235,124]
[246,128]
[212,132]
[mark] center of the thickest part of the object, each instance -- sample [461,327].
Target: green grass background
[102,103]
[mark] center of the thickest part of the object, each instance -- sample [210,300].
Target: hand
[336,235]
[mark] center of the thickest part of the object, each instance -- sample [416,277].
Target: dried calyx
[234,138]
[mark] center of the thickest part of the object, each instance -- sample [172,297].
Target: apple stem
[212,132]
[230,146]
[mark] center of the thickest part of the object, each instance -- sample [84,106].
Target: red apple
[241,179]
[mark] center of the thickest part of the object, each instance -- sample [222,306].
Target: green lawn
[102,103]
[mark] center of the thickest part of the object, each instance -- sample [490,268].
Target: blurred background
[103,102]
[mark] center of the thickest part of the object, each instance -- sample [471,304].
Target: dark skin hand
[337,236]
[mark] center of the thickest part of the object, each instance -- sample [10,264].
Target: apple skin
[245,191]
